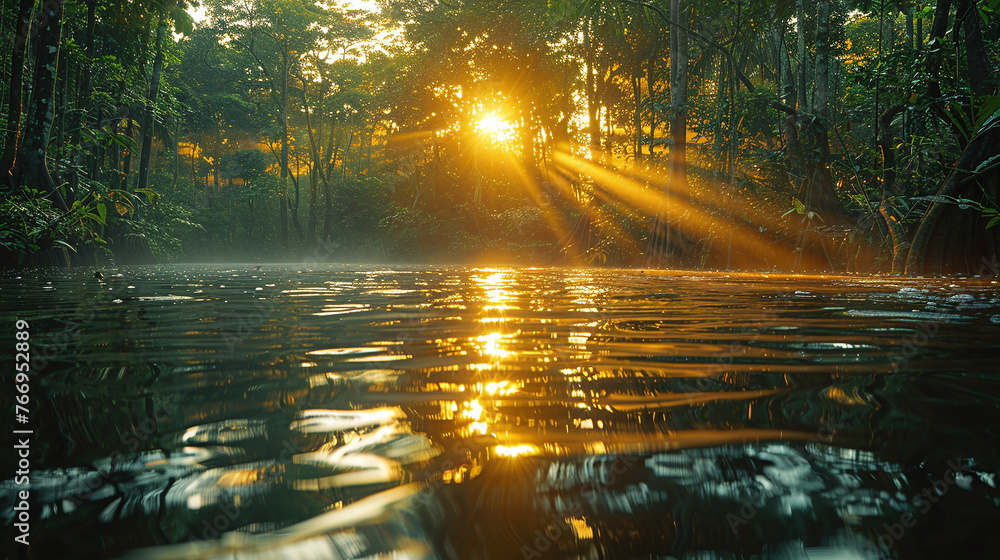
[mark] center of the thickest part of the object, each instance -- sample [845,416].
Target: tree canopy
[838,135]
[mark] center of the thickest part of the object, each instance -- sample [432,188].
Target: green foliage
[166,222]
[413,234]
[989,212]
[30,225]
[246,165]
[387,155]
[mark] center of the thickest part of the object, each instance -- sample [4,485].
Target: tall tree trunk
[678,93]
[79,119]
[821,97]
[650,79]
[284,150]
[951,238]
[112,173]
[328,157]
[327,194]
[127,161]
[177,153]
[593,122]
[919,39]
[62,96]
[11,134]
[344,161]
[885,142]
[126,169]
[933,66]
[313,194]
[800,17]
[294,205]
[637,113]
[147,122]
[791,139]
[821,195]
[314,174]
[96,165]
[900,245]
[314,149]
[975,49]
[601,92]
[284,218]
[878,77]
[194,179]
[296,224]
[30,167]
[909,29]
[371,145]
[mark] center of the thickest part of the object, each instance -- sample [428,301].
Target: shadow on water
[377,412]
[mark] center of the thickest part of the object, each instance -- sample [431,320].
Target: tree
[30,169]
[274,33]
[175,10]
[678,93]
[12,133]
[954,233]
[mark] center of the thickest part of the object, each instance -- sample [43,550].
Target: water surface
[491,413]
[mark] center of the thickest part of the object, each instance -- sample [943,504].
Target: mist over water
[337,411]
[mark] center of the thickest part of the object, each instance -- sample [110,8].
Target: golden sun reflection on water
[521,450]
[491,345]
[502,388]
[497,295]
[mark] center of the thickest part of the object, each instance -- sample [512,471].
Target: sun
[495,128]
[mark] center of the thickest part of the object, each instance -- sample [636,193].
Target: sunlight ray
[748,244]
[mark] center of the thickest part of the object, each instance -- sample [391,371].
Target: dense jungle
[857,136]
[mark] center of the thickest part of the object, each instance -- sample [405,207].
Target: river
[336,411]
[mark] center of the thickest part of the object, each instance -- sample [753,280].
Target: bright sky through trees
[495,128]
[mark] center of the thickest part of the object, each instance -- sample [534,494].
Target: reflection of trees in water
[221,473]
[168,436]
[251,475]
[739,500]
[765,500]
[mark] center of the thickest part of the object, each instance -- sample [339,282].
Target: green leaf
[988,112]
[122,140]
[935,198]
[799,207]
[956,115]
[987,164]
[102,209]
[62,243]
[183,23]
[993,222]
[150,194]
